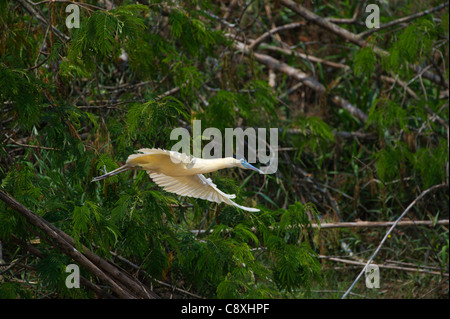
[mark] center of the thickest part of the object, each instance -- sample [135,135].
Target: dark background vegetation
[363,131]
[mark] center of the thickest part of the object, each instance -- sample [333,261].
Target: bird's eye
[242,161]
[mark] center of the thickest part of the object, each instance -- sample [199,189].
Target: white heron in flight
[183,175]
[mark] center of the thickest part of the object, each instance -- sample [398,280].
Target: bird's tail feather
[114,172]
[249,209]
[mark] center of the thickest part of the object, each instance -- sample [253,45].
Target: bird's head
[242,163]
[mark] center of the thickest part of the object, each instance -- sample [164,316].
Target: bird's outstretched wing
[176,157]
[197,186]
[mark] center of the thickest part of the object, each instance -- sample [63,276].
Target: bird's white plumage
[174,156]
[197,186]
[180,174]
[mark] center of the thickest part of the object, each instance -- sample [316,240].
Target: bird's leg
[114,172]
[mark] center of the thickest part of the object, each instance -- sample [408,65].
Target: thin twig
[403,20]
[32,146]
[305,56]
[81,4]
[29,6]
[410,269]
[359,224]
[354,17]
[389,232]
[167,93]
[288,26]
[403,84]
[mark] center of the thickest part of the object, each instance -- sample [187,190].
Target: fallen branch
[351,37]
[85,282]
[305,56]
[121,283]
[358,224]
[353,110]
[410,269]
[64,246]
[162,283]
[309,81]
[279,66]
[324,23]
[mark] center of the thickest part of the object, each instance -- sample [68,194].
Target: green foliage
[99,36]
[294,262]
[144,120]
[388,162]
[388,115]
[222,109]
[431,163]
[315,128]
[13,290]
[365,61]
[444,23]
[193,34]
[51,268]
[20,90]
[73,109]
[413,45]
[255,107]
[187,77]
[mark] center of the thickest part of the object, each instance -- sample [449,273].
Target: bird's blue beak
[253,168]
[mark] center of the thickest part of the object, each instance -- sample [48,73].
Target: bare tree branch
[361,224]
[301,76]
[411,269]
[124,286]
[289,26]
[351,37]
[28,5]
